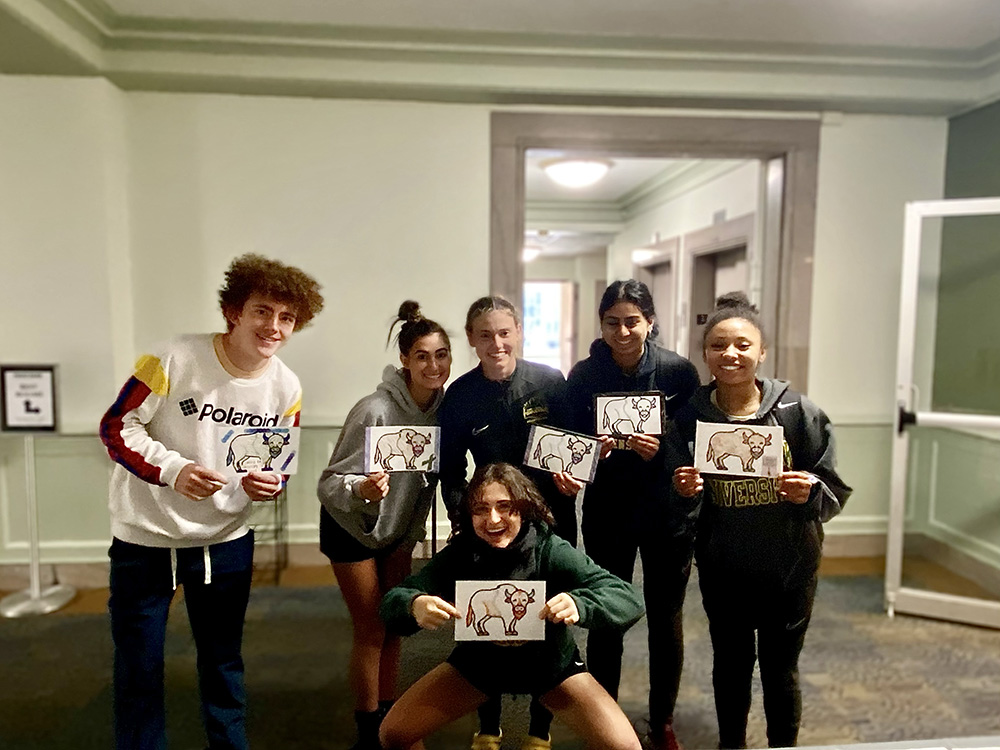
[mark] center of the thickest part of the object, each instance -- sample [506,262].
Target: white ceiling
[929,57]
[943,24]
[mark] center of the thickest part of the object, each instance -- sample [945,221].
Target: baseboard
[95,575]
[958,562]
[854,545]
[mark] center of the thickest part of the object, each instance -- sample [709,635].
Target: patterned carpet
[865,678]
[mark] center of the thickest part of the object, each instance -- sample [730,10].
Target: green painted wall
[967,356]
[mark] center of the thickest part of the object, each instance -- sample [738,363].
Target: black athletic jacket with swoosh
[624,481]
[492,420]
[747,535]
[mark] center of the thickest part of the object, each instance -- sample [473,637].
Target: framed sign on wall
[28,402]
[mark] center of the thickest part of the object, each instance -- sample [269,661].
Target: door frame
[794,141]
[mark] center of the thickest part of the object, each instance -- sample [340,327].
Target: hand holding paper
[261,485]
[561,608]
[796,486]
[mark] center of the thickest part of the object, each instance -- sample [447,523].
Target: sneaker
[664,738]
[486,741]
[531,742]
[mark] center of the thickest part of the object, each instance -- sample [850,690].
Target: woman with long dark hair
[624,509]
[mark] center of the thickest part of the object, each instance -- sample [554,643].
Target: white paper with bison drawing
[738,450]
[499,610]
[555,450]
[629,413]
[402,448]
[260,449]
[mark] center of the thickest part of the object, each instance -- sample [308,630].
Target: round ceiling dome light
[576,173]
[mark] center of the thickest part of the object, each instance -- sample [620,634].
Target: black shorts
[514,670]
[338,544]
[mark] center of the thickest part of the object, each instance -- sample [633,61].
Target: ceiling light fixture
[576,173]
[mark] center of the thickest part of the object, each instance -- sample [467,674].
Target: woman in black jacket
[759,540]
[624,509]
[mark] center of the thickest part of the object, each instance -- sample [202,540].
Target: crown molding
[508,68]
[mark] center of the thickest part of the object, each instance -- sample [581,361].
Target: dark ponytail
[415,327]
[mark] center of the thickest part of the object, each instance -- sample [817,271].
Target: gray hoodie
[402,513]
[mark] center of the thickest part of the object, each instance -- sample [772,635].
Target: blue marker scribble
[227,435]
[287,461]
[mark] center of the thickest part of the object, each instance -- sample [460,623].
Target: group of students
[757,544]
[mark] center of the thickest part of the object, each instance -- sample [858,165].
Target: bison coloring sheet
[261,449]
[738,450]
[402,448]
[499,610]
[629,413]
[557,450]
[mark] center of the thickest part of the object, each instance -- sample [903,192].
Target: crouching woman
[503,533]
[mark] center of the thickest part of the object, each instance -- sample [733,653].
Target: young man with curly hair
[175,517]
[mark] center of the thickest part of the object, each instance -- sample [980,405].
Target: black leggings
[780,630]
[666,567]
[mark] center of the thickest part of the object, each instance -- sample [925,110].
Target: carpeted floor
[865,678]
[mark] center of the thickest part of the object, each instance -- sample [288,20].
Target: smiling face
[733,350]
[625,329]
[258,331]
[429,365]
[493,516]
[496,337]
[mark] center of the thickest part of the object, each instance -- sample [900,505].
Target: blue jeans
[141,590]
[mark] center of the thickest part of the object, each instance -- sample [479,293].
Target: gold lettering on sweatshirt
[745,492]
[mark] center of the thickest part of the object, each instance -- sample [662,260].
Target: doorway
[792,142]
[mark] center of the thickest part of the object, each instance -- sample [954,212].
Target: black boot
[368,723]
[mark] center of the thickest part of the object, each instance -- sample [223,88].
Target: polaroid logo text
[237,418]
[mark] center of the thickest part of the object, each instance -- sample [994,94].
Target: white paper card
[738,450]
[629,413]
[556,450]
[261,449]
[402,448]
[500,610]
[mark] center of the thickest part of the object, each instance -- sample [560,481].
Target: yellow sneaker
[534,743]
[486,741]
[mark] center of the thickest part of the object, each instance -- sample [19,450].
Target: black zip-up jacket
[747,535]
[492,420]
[624,481]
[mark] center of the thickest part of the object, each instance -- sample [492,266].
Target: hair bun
[409,312]
[731,300]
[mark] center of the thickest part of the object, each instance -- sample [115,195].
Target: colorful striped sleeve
[123,427]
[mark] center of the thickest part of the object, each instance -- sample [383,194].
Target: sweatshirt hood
[394,385]
[770,393]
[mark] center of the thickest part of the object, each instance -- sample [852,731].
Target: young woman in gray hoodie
[369,523]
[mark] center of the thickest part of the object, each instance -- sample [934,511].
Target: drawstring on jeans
[173,567]
[208,565]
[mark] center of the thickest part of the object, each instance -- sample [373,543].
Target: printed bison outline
[744,443]
[503,601]
[407,443]
[633,410]
[550,446]
[256,447]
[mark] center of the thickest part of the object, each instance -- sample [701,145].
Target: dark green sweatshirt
[603,599]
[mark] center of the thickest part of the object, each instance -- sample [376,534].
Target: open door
[944,510]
